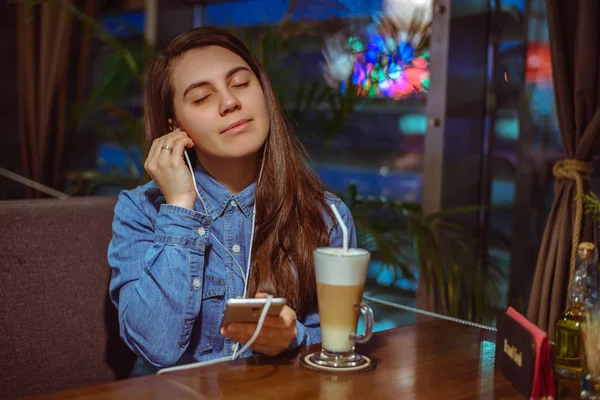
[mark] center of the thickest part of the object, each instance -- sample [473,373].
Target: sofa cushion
[58,329]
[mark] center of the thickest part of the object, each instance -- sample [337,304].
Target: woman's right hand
[167,168]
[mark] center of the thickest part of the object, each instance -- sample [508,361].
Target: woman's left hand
[275,336]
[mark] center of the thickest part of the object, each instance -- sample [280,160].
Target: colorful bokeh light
[384,68]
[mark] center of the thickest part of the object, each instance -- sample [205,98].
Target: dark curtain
[52,65]
[574,28]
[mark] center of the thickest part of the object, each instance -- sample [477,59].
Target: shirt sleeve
[308,331]
[156,280]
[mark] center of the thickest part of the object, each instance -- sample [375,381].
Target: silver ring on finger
[169,148]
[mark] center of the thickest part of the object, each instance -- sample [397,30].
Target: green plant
[438,246]
[591,206]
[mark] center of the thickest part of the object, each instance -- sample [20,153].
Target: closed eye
[202,100]
[242,85]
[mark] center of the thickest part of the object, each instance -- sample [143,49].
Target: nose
[229,103]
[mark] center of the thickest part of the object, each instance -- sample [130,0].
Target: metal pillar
[454,153]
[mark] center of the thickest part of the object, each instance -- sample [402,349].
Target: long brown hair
[289,197]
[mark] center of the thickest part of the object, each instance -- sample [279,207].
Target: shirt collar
[216,196]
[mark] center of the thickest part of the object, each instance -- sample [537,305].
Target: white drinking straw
[342,225]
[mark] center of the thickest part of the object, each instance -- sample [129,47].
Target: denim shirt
[170,277]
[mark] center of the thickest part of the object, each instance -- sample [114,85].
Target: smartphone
[249,310]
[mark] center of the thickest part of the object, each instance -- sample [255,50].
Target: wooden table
[431,360]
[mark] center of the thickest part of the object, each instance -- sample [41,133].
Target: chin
[237,152]
[242,148]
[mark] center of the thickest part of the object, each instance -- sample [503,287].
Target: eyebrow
[228,75]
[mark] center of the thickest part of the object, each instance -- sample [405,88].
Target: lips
[237,127]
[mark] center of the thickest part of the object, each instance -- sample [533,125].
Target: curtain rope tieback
[577,171]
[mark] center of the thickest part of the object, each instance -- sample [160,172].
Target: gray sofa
[58,329]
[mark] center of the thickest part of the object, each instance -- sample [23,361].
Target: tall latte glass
[341,277]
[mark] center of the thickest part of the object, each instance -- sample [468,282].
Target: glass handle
[367,313]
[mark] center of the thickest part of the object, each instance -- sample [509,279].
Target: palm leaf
[439,246]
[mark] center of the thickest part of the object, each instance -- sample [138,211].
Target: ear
[172,124]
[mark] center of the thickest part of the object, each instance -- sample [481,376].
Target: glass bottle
[583,294]
[588,258]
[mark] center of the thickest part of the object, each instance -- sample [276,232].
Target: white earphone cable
[261,320]
[234,260]
[245,276]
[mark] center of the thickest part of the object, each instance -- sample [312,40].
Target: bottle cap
[587,251]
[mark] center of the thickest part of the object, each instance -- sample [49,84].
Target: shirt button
[196,283]
[201,231]
[236,249]
[233,203]
[238,297]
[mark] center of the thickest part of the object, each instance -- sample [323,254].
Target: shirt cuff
[182,226]
[301,336]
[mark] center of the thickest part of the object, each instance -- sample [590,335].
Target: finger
[243,332]
[264,348]
[151,151]
[286,319]
[170,138]
[154,154]
[268,350]
[261,295]
[167,145]
[275,322]
[176,134]
[289,316]
[155,148]
[180,145]
[261,340]
[165,151]
[247,329]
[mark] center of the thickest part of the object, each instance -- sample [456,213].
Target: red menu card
[523,356]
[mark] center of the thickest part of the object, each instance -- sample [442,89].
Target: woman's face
[219,102]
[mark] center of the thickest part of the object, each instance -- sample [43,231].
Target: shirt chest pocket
[213,296]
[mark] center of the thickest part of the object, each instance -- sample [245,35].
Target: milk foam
[335,267]
[337,251]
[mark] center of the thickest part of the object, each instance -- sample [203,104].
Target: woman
[184,243]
